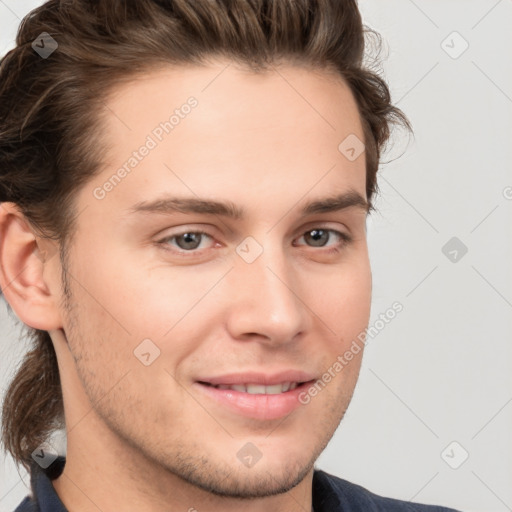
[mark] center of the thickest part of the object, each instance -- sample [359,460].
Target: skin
[145,438]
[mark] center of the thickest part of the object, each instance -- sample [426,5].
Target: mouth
[258,389]
[256,401]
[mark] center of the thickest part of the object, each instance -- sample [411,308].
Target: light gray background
[441,371]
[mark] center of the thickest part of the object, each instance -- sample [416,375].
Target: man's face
[270,291]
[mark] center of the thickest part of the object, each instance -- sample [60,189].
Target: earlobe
[28,277]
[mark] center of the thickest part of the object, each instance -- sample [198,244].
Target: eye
[319,237]
[193,242]
[186,242]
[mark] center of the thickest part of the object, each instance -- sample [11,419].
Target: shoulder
[331,491]
[27,505]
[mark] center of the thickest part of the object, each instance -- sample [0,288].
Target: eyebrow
[228,209]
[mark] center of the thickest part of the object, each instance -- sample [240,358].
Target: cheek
[133,299]
[345,298]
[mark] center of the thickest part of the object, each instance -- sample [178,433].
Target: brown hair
[51,109]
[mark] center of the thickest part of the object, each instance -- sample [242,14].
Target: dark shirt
[330,494]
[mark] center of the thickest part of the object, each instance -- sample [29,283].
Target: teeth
[286,386]
[260,389]
[256,389]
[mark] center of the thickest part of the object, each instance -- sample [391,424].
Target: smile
[258,389]
[257,401]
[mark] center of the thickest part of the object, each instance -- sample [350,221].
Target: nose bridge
[266,300]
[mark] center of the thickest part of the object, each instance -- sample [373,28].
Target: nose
[265,300]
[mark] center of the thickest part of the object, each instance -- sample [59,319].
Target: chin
[251,483]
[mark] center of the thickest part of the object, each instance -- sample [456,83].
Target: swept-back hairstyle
[51,110]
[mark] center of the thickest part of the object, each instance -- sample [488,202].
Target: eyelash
[345,240]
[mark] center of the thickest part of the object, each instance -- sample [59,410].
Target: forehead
[219,128]
[224,91]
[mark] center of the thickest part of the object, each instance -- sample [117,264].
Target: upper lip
[267,379]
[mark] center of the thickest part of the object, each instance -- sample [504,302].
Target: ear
[29,271]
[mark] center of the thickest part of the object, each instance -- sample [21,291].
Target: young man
[185,186]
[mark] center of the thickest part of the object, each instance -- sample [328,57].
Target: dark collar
[45,498]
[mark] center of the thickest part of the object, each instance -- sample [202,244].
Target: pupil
[316,236]
[191,240]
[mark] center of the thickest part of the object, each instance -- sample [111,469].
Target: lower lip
[259,406]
